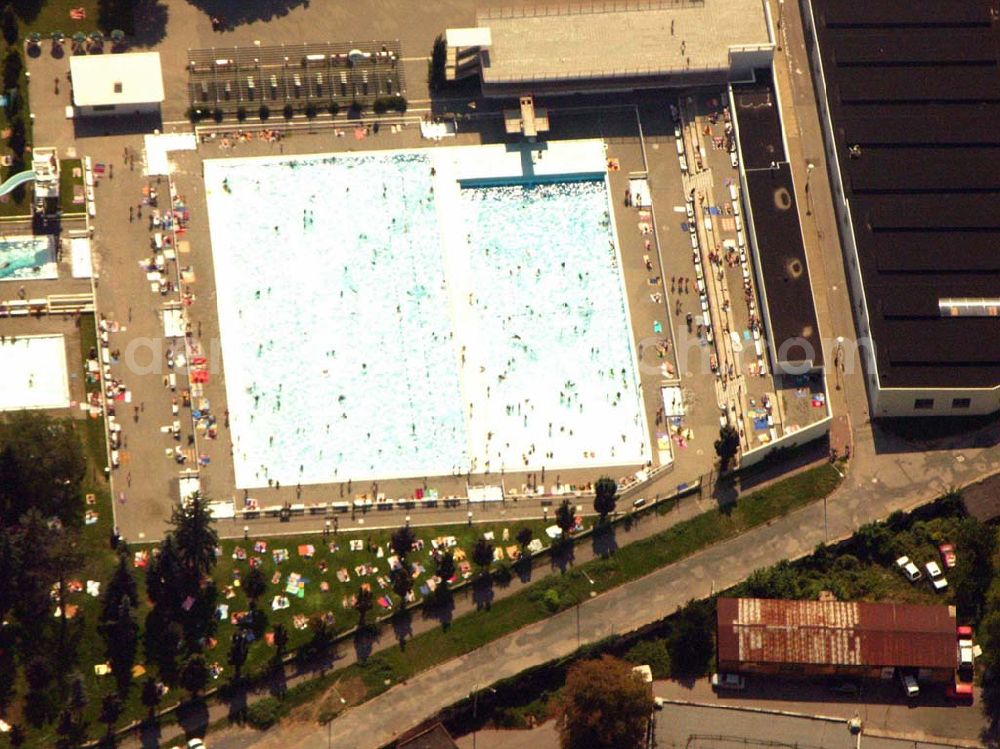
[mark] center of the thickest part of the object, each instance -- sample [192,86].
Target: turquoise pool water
[380,321]
[27,257]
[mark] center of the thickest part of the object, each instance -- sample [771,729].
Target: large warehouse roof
[606,40]
[839,633]
[103,80]
[912,88]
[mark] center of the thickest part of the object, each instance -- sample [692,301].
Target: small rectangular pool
[24,258]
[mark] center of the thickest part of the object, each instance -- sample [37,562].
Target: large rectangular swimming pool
[380,320]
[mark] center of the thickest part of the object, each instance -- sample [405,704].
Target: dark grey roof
[916,87]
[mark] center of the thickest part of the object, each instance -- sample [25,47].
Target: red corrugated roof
[760,630]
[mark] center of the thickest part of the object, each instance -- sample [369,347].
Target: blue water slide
[16,181]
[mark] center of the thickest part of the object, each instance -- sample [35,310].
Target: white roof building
[117,84]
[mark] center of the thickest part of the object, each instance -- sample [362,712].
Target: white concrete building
[126,84]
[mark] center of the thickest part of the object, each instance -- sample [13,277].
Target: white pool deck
[33,373]
[451,167]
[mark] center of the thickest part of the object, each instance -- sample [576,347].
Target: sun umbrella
[97,36]
[58,36]
[117,35]
[79,37]
[35,38]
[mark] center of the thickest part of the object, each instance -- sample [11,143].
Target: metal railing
[579,9]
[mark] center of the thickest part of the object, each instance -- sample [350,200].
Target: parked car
[909,569]
[910,685]
[959,692]
[735,682]
[935,575]
[948,557]
[964,632]
[846,688]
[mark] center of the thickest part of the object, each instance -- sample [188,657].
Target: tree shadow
[402,626]
[364,641]
[563,555]
[192,716]
[482,592]
[440,607]
[149,734]
[150,23]
[236,699]
[233,13]
[524,568]
[603,541]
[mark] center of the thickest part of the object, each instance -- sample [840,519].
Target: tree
[255,585]
[727,446]
[482,555]
[605,496]
[119,587]
[402,541]
[37,673]
[150,695]
[122,640]
[9,24]
[565,519]
[402,583]
[16,736]
[690,639]
[194,675]
[444,567]
[41,460]
[238,652]
[605,705]
[163,576]
[111,710]
[194,536]
[363,603]
[973,573]
[280,640]
[524,537]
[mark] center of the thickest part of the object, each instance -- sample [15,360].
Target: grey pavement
[696,727]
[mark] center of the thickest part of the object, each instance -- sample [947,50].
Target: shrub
[334,107]
[18,138]
[195,115]
[288,111]
[264,112]
[241,113]
[551,600]
[356,108]
[217,114]
[264,713]
[311,110]
[385,103]
[652,653]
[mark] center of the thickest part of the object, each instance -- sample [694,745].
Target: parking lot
[881,706]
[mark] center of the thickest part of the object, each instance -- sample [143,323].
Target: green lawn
[66,184]
[53,15]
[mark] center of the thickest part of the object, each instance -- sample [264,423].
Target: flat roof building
[567,49]
[117,84]
[788,308]
[906,93]
[844,638]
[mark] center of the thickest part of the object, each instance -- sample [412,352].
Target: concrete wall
[743,61]
[900,401]
[795,439]
[119,110]
[808,670]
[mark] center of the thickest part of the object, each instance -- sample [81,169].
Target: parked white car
[909,569]
[910,685]
[935,575]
